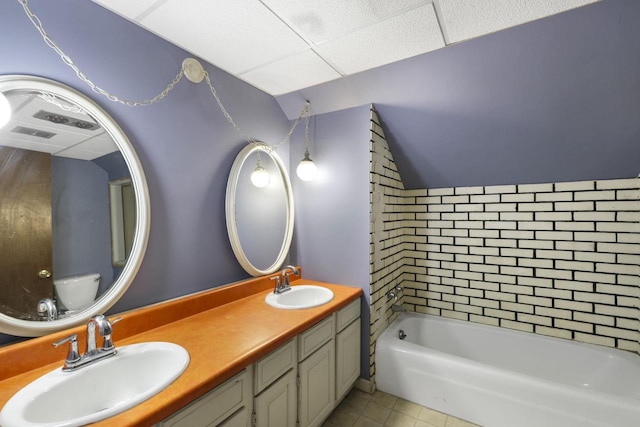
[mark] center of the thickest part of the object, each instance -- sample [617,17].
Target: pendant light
[5,110]
[260,176]
[306,170]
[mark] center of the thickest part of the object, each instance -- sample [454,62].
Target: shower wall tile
[558,259]
[394,219]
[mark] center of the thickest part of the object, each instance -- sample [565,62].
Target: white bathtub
[496,377]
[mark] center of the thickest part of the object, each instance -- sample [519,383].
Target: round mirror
[74,208]
[259,210]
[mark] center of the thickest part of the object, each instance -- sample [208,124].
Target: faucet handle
[73,355]
[47,309]
[277,279]
[107,343]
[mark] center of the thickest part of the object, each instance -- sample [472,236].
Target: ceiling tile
[236,36]
[295,72]
[403,36]
[127,8]
[464,19]
[28,144]
[320,21]
[102,144]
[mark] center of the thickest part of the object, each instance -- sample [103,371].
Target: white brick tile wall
[555,259]
[575,186]
[631,183]
[535,188]
[500,189]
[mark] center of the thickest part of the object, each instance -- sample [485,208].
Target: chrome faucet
[73,360]
[47,309]
[395,293]
[282,282]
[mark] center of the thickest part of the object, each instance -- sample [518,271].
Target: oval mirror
[259,210]
[74,208]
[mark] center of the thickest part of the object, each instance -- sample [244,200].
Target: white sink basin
[97,391]
[300,296]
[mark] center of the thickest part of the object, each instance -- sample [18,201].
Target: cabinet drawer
[273,366]
[348,314]
[215,406]
[239,419]
[312,339]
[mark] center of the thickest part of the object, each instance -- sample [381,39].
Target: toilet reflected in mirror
[75,293]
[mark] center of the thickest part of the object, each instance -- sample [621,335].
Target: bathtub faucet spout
[398,308]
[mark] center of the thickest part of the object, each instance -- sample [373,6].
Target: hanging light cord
[67,60]
[305,111]
[306,130]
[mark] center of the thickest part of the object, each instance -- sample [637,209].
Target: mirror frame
[29,328]
[230,207]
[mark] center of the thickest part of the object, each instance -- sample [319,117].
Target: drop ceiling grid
[299,41]
[277,77]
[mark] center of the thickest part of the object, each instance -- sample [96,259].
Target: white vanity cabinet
[227,405]
[316,373]
[347,348]
[296,385]
[274,388]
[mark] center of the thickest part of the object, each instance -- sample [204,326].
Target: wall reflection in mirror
[56,166]
[261,211]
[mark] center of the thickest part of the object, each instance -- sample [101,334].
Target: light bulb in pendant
[260,176]
[307,170]
[5,110]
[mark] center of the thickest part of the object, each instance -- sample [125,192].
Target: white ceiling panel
[101,144]
[277,78]
[128,8]
[236,35]
[28,145]
[464,19]
[91,149]
[320,21]
[403,36]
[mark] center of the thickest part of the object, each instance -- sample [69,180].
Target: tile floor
[360,409]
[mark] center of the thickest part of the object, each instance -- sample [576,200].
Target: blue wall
[331,238]
[81,226]
[184,143]
[556,99]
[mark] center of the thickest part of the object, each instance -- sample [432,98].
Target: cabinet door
[317,386]
[347,358]
[276,406]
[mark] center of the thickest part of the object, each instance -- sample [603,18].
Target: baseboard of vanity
[367,386]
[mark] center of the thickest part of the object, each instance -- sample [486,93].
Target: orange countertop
[222,339]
